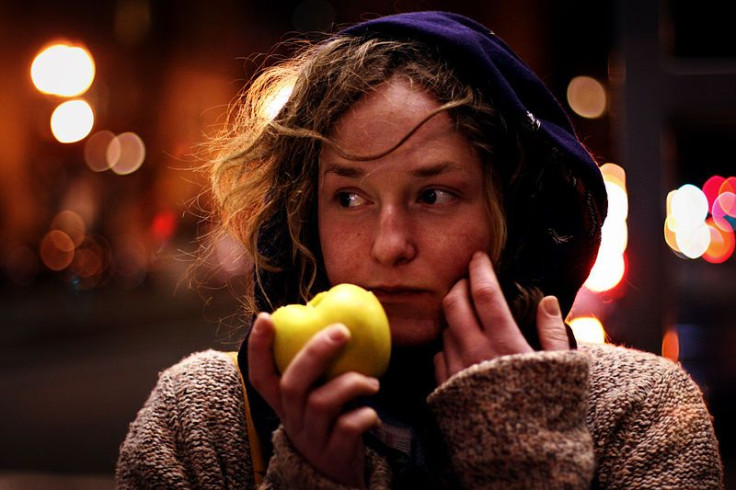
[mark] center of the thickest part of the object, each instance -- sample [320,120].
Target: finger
[551,327]
[326,402]
[307,367]
[459,352]
[463,341]
[262,371]
[463,327]
[349,429]
[440,368]
[488,299]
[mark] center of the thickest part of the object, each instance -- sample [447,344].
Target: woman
[418,157]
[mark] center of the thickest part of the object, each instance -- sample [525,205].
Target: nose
[394,242]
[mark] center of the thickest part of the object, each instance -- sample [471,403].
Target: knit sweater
[614,416]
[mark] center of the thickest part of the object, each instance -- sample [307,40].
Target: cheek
[340,249]
[452,253]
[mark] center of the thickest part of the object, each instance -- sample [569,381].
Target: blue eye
[436,196]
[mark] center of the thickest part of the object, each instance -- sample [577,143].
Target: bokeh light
[618,202]
[728,185]
[671,345]
[614,174]
[163,226]
[606,274]
[587,97]
[95,150]
[72,121]
[588,329]
[88,260]
[615,237]
[700,223]
[693,242]
[72,224]
[712,187]
[610,266]
[689,207]
[721,244]
[126,153]
[670,233]
[57,250]
[724,211]
[64,70]
[92,265]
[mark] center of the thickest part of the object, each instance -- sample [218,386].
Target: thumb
[551,328]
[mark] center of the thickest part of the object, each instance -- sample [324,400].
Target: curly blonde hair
[265,176]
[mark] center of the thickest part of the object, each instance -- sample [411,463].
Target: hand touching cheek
[480,325]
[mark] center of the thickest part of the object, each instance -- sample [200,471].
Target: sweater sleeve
[651,431]
[518,422]
[288,469]
[191,431]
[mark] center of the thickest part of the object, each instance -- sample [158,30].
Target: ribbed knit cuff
[518,421]
[288,469]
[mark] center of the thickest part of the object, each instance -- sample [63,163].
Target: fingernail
[338,333]
[257,324]
[551,306]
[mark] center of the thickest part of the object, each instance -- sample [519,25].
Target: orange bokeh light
[722,244]
[57,250]
[72,224]
[671,345]
[728,185]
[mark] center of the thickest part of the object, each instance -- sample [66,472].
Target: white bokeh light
[72,121]
[688,206]
[63,70]
[693,242]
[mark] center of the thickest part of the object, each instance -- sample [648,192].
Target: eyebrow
[352,171]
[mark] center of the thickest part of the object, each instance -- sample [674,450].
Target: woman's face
[404,225]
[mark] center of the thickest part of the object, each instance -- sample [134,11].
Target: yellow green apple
[369,348]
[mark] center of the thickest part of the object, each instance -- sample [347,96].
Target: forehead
[383,117]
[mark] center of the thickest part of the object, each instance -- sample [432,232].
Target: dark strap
[264,418]
[256,448]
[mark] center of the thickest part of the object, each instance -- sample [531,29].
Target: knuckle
[557,336]
[288,388]
[485,293]
[319,403]
[349,426]
[452,300]
[353,378]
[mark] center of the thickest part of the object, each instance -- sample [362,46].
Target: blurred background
[105,111]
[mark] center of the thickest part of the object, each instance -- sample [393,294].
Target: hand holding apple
[369,348]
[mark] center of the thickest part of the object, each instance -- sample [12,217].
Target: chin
[414,332]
